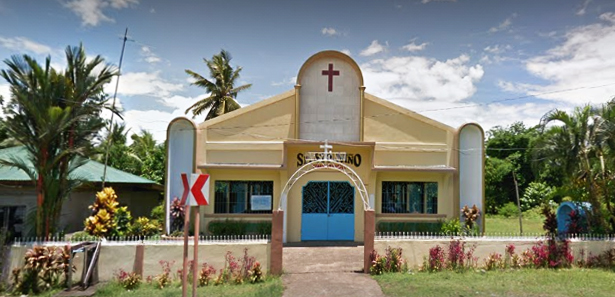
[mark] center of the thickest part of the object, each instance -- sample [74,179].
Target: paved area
[326,271]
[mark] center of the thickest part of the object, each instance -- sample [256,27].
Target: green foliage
[509,210]
[384,226]
[143,226]
[157,213]
[129,281]
[123,220]
[508,149]
[391,262]
[55,115]
[222,91]
[238,227]
[45,268]
[535,195]
[451,226]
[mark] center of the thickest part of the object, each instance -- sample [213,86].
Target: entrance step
[319,259]
[326,271]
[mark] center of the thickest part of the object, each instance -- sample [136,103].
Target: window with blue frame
[410,197]
[237,196]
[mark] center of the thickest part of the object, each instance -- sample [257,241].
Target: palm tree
[55,116]
[222,91]
[571,147]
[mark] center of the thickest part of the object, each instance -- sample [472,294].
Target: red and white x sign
[196,191]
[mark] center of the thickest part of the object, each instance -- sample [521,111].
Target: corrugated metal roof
[92,171]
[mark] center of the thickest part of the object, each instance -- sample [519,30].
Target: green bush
[157,213]
[409,226]
[536,194]
[237,227]
[451,226]
[509,210]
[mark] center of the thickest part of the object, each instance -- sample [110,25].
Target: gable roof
[91,171]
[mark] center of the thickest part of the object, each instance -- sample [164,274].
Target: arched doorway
[324,164]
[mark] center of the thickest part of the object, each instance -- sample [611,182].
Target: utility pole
[518,203]
[117,83]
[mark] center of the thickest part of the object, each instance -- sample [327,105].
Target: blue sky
[454,61]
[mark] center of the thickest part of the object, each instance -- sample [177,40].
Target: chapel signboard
[342,157]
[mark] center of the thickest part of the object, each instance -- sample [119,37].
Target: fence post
[368,238]
[137,268]
[277,232]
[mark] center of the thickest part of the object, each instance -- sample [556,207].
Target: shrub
[536,194]
[44,269]
[176,211]
[456,255]
[123,220]
[157,213]
[494,261]
[509,210]
[256,273]
[550,222]
[470,216]
[228,227]
[145,227]
[205,275]
[101,222]
[392,261]
[604,260]
[436,259]
[128,281]
[451,227]
[164,279]
[511,259]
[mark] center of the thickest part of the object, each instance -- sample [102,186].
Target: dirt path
[326,271]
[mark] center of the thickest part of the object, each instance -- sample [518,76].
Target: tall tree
[222,90]
[54,115]
[571,147]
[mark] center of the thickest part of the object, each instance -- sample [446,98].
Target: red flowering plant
[177,215]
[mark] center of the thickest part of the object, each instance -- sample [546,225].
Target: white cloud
[92,12]
[374,48]
[422,78]
[24,44]
[346,51]
[497,49]
[285,82]
[503,25]
[148,55]
[143,83]
[329,31]
[580,69]
[413,47]
[583,8]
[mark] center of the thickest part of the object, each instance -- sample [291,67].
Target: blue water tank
[564,210]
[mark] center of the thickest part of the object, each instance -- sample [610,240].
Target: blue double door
[327,211]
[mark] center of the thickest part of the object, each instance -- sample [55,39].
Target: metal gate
[327,211]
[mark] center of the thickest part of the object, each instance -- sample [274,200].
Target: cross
[331,73]
[326,146]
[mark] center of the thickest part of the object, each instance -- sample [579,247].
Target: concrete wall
[116,257]
[414,251]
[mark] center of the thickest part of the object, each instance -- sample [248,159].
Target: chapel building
[270,155]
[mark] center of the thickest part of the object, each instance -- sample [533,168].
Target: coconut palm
[54,115]
[571,147]
[222,91]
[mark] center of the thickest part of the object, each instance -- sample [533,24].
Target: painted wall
[329,112]
[180,159]
[471,168]
[116,257]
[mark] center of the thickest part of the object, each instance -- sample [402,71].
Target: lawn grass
[523,282]
[499,224]
[271,287]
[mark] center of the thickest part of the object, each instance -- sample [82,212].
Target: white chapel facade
[416,171]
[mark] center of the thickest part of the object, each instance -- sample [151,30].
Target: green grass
[271,287]
[524,282]
[499,224]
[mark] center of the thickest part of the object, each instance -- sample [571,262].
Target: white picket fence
[490,236]
[151,240]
